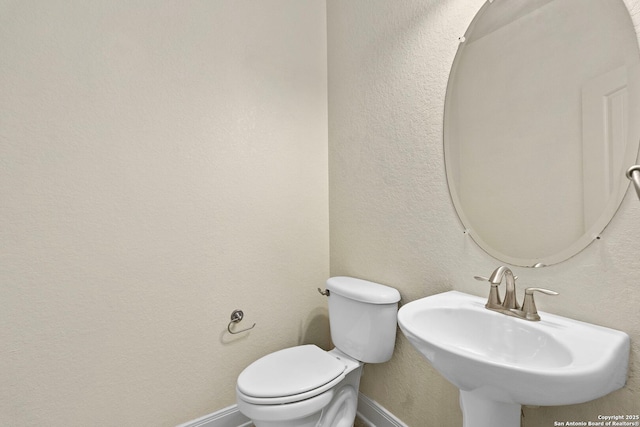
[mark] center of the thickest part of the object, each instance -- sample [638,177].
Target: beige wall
[161,164]
[392,220]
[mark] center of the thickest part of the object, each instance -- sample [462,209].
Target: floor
[358,423]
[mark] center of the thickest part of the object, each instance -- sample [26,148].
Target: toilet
[305,386]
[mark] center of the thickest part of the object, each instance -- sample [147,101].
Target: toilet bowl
[309,384]
[305,386]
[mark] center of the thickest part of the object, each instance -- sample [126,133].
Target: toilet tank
[363,318]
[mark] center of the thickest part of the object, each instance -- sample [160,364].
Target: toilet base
[341,412]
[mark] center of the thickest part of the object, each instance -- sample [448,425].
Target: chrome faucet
[510,300]
[510,304]
[495,302]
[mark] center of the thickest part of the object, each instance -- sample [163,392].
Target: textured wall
[161,164]
[392,220]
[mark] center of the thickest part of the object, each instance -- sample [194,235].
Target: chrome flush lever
[325,293]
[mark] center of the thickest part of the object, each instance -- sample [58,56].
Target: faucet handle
[529,310]
[494,300]
[486,279]
[530,291]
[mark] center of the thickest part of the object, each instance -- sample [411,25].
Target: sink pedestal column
[478,411]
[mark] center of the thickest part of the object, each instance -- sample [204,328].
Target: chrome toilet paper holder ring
[236,317]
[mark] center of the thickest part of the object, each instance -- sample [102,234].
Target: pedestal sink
[501,362]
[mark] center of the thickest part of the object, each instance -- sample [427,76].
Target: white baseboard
[374,415]
[227,417]
[369,411]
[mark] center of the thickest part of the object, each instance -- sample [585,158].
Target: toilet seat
[290,375]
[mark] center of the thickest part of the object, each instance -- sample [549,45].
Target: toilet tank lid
[363,290]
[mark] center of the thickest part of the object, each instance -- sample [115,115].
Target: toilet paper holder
[236,317]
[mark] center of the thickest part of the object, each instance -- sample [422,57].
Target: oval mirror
[541,123]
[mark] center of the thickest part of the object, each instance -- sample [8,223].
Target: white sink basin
[500,362]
